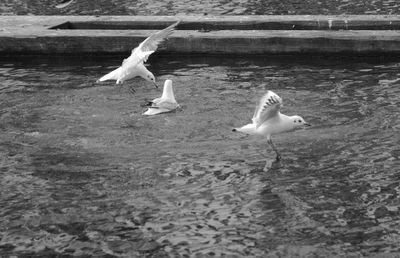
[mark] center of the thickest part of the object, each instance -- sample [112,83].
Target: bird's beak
[307,125]
[155,85]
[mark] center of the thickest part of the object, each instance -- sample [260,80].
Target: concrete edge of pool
[289,34]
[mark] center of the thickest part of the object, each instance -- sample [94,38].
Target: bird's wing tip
[155,111]
[271,93]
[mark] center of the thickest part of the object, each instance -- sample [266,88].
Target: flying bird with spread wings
[268,120]
[133,66]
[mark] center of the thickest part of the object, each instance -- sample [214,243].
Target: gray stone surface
[202,34]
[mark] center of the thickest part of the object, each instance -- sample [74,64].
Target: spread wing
[268,106]
[141,53]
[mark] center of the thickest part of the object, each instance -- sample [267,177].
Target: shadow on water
[83,173]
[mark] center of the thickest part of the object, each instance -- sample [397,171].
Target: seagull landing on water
[133,65]
[165,103]
[268,120]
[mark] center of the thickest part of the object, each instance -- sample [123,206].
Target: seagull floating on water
[133,65]
[268,120]
[165,103]
[64,3]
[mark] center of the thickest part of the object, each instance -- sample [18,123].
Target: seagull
[133,65]
[165,103]
[64,3]
[268,120]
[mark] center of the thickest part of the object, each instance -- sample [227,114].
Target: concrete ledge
[202,34]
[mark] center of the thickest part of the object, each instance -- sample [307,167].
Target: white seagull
[133,65]
[165,103]
[268,120]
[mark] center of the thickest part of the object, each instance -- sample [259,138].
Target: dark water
[84,174]
[192,7]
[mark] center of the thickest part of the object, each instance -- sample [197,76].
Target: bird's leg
[278,156]
[125,85]
[131,90]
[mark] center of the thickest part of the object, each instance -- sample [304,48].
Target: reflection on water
[83,173]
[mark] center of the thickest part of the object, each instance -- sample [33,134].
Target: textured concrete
[202,34]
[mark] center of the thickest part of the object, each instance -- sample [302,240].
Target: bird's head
[150,77]
[299,122]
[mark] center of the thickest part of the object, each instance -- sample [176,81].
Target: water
[191,7]
[84,174]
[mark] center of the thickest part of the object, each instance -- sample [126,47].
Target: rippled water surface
[83,173]
[192,7]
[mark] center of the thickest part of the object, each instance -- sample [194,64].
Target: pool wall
[288,34]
